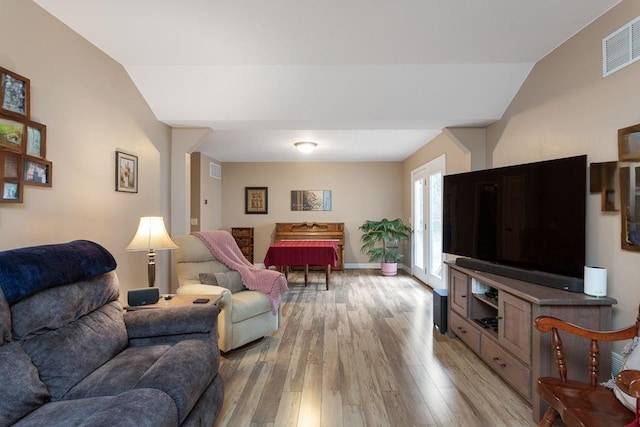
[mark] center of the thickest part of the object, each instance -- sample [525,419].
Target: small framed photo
[10,164]
[256,200]
[14,94]
[11,134]
[36,172]
[10,191]
[126,172]
[36,140]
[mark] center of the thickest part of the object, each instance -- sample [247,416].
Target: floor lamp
[151,236]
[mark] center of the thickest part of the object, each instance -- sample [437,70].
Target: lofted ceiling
[368,80]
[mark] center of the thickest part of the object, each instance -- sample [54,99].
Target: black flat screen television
[530,217]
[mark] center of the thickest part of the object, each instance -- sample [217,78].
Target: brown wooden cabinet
[244,239]
[493,316]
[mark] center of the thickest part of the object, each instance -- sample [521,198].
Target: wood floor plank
[331,414]
[311,397]
[363,353]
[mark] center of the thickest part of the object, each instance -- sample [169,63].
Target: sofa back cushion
[192,258]
[26,271]
[71,330]
[21,391]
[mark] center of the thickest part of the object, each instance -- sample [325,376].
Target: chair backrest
[553,325]
[64,310]
[192,258]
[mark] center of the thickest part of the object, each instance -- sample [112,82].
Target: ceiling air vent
[215,170]
[621,48]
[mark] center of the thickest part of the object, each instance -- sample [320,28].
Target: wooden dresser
[244,239]
[313,231]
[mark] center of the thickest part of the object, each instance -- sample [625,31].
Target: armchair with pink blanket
[250,296]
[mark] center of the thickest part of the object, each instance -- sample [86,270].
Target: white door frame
[422,225]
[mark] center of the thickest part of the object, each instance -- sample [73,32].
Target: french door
[427,222]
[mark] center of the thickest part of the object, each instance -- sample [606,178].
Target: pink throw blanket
[224,247]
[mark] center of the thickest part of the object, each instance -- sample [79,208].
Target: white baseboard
[371,266]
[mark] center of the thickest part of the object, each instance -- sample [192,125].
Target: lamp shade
[151,235]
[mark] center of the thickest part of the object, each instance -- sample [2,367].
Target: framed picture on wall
[310,200]
[11,134]
[10,191]
[126,172]
[10,164]
[36,140]
[256,200]
[36,172]
[14,94]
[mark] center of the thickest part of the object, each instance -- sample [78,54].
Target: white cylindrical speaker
[595,281]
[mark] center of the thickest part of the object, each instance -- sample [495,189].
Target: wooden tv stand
[515,349]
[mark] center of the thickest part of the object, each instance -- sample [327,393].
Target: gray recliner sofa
[70,355]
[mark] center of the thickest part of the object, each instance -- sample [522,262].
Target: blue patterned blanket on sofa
[25,271]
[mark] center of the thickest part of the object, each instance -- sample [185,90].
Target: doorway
[427,223]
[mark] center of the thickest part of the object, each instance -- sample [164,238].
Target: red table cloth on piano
[302,252]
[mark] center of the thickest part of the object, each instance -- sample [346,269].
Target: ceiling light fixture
[305,146]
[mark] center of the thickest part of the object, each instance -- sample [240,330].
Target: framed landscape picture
[36,140]
[36,172]
[126,172]
[310,200]
[11,134]
[14,94]
[256,200]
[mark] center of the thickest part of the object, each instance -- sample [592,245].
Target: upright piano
[313,231]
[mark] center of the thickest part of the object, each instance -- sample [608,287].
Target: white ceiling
[368,80]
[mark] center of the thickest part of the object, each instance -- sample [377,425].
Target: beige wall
[566,108]
[91,109]
[360,191]
[210,200]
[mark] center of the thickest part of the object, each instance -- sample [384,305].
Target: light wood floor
[364,353]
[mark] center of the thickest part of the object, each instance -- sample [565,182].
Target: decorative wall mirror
[629,157]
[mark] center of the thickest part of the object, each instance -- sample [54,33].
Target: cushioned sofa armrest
[200,320]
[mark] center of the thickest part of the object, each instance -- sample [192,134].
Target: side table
[177,301]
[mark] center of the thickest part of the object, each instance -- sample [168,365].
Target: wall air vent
[621,48]
[215,170]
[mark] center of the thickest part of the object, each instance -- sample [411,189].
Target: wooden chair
[579,403]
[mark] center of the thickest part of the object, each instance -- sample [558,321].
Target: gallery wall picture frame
[36,140]
[37,172]
[10,191]
[126,172]
[12,133]
[311,200]
[10,165]
[15,92]
[256,200]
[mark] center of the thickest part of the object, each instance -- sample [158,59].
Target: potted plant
[380,242]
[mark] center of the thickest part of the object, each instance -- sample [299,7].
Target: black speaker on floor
[440,309]
[143,296]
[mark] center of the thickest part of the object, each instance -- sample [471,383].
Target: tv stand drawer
[508,367]
[466,332]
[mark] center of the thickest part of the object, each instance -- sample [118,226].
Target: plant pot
[389,268]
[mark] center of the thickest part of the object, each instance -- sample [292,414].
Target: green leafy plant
[380,239]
